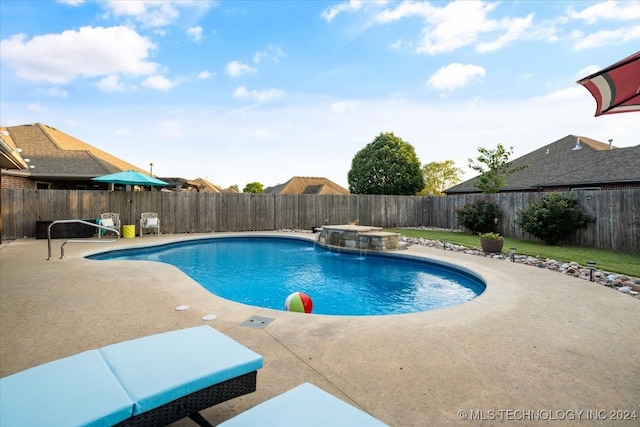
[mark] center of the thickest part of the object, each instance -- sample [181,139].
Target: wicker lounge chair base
[191,405]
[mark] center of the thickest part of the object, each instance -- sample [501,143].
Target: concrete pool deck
[535,344]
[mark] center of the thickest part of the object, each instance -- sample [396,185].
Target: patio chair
[305,405]
[154,380]
[149,221]
[111,220]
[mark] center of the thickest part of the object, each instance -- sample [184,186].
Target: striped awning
[616,88]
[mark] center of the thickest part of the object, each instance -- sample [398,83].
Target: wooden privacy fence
[617,212]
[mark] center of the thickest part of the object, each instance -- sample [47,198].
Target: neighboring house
[54,160]
[200,185]
[308,185]
[570,164]
[42,157]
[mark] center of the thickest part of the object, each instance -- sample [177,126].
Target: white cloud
[329,13]
[273,53]
[456,25]
[71,2]
[516,28]
[397,44]
[54,92]
[236,69]
[573,92]
[204,75]
[88,52]
[406,10]
[587,71]
[608,10]
[606,37]
[459,24]
[257,95]
[112,83]
[195,33]
[153,13]
[454,76]
[159,82]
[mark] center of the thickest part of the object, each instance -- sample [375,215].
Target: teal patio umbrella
[131,177]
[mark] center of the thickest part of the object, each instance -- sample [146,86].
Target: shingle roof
[307,185]
[10,157]
[558,164]
[209,187]
[201,184]
[53,153]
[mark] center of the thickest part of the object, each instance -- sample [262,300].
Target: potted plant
[491,242]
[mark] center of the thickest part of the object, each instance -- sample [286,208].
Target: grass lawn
[613,261]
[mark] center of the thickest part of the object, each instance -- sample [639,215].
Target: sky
[262,91]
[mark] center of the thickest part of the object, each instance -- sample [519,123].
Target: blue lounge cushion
[106,386]
[305,405]
[79,390]
[158,369]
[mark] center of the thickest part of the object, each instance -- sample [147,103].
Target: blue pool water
[263,271]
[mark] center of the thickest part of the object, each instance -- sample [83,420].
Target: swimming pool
[263,271]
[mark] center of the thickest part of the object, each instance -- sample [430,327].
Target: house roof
[208,187]
[10,155]
[558,164]
[55,154]
[308,185]
[199,184]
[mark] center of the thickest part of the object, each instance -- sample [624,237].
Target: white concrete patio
[534,344]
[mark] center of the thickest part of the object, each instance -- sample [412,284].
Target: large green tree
[438,176]
[253,187]
[388,165]
[493,167]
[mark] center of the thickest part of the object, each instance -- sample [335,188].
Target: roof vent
[578,146]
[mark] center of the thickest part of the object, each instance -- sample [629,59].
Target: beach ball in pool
[298,302]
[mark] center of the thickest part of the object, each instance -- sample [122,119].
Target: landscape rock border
[622,283]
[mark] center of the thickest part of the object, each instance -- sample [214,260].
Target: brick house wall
[16,182]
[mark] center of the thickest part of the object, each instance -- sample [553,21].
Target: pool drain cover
[257,322]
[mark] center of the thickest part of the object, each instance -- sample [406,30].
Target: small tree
[480,216]
[439,176]
[235,188]
[552,217]
[388,165]
[493,167]
[253,187]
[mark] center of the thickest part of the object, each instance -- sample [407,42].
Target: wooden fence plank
[616,212]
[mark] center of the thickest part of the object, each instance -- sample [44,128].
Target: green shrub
[480,216]
[491,236]
[552,217]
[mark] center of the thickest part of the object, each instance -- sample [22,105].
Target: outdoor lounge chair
[154,380]
[305,405]
[149,221]
[111,220]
